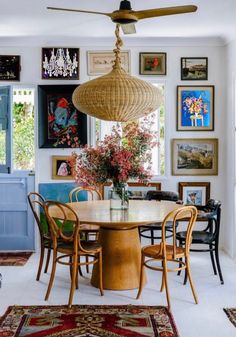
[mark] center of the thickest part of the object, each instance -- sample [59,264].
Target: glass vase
[119,197]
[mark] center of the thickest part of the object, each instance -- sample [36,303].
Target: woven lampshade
[116,96]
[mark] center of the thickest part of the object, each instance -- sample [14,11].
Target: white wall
[175,49]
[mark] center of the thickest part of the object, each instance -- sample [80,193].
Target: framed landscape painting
[194,68]
[136,191]
[195,156]
[194,193]
[152,63]
[61,169]
[60,63]
[10,68]
[100,62]
[195,108]
[60,123]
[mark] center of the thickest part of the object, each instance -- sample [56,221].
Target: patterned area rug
[14,259]
[231,313]
[87,321]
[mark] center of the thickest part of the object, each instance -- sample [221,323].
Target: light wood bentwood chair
[86,230]
[69,245]
[165,252]
[36,202]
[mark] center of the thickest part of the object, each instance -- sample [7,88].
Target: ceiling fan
[126,17]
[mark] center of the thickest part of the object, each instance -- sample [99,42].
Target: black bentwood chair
[150,231]
[209,236]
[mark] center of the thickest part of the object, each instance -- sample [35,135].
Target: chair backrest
[211,212]
[187,214]
[162,195]
[93,192]
[36,202]
[64,224]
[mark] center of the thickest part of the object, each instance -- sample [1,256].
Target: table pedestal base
[121,259]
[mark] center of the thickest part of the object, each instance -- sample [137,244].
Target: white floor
[206,319]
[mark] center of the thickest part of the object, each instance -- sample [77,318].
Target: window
[16,129]
[158,156]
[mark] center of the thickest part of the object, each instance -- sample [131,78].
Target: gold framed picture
[194,193]
[152,63]
[100,62]
[61,169]
[195,156]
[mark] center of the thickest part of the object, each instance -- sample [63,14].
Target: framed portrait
[194,193]
[195,156]
[100,62]
[195,108]
[194,68]
[60,123]
[61,169]
[10,68]
[60,63]
[136,191]
[152,63]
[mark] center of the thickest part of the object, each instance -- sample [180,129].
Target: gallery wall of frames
[193,106]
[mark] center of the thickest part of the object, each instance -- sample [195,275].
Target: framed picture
[60,124]
[195,156]
[61,168]
[152,63]
[100,62]
[60,63]
[194,68]
[195,108]
[136,190]
[194,193]
[10,68]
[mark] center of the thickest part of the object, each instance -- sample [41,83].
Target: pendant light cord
[119,44]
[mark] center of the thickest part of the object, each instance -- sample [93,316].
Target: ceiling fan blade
[150,13]
[128,28]
[77,11]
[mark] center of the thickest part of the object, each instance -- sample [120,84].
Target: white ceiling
[30,18]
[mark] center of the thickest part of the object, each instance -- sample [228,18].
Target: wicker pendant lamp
[116,96]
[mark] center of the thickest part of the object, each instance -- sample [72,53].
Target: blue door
[16,219]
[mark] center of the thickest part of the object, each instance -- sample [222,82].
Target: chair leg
[212,259]
[100,273]
[162,279]
[40,262]
[54,263]
[73,279]
[218,263]
[152,236]
[165,272]
[191,280]
[180,264]
[87,258]
[47,261]
[141,279]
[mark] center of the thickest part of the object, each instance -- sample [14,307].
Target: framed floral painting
[60,123]
[152,63]
[194,193]
[195,108]
[61,169]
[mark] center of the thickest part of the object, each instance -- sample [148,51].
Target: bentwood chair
[166,253]
[209,236]
[36,202]
[153,231]
[69,245]
[86,230]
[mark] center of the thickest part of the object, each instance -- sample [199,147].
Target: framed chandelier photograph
[60,63]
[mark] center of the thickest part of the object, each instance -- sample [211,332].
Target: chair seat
[90,246]
[153,251]
[197,237]
[157,225]
[89,228]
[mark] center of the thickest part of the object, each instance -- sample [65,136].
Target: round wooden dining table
[119,237]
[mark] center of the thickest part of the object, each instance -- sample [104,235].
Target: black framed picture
[10,68]
[60,123]
[60,63]
[194,68]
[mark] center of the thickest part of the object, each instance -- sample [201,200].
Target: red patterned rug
[231,313]
[14,259]
[87,321]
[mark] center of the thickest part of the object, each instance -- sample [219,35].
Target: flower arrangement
[123,155]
